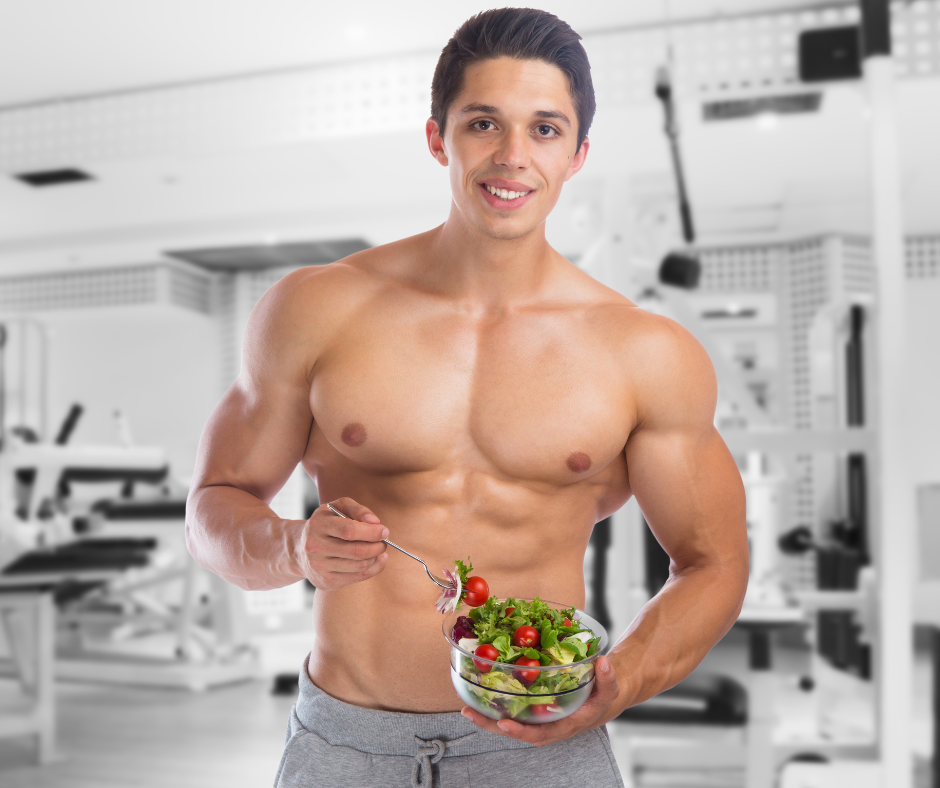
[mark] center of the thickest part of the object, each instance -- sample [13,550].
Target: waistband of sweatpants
[390,732]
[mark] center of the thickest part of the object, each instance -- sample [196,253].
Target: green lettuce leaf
[502,682]
[559,655]
[577,647]
[464,570]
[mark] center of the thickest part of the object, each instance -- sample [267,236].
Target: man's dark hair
[523,34]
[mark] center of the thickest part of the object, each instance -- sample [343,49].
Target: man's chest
[543,398]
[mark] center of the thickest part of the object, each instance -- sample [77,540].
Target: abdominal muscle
[379,643]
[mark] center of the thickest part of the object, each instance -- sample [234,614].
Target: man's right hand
[337,551]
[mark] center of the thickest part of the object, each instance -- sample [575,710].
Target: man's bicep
[259,430]
[690,492]
[253,440]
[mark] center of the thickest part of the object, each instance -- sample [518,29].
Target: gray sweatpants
[335,745]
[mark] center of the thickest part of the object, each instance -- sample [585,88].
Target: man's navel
[355,435]
[579,462]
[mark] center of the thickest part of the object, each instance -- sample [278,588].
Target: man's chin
[507,231]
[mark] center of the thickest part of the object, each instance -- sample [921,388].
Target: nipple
[355,434]
[579,462]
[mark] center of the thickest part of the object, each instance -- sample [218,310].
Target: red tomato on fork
[475,591]
[486,651]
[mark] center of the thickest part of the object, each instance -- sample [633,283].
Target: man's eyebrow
[486,109]
[553,115]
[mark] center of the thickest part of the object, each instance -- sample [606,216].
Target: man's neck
[488,273]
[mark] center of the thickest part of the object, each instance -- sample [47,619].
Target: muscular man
[468,391]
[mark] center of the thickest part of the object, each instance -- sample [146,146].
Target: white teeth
[504,194]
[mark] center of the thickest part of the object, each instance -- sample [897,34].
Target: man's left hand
[597,710]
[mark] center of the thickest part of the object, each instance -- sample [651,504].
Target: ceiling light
[767,121]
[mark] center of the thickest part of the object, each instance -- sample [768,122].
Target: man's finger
[606,690]
[350,530]
[354,510]
[606,686]
[345,565]
[348,549]
[339,579]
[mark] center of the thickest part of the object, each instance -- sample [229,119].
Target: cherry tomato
[567,621]
[486,651]
[544,709]
[509,612]
[525,637]
[526,675]
[475,591]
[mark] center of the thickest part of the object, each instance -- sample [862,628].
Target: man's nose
[514,151]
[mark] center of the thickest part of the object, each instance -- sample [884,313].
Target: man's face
[512,130]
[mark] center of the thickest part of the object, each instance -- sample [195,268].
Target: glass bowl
[536,707]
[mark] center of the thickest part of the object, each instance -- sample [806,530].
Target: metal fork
[439,580]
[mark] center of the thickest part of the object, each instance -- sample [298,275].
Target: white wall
[159,365]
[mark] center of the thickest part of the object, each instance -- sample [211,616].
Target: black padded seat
[78,557]
[160,509]
[147,475]
[115,543]
[702,699]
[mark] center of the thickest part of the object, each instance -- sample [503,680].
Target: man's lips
[501,204]
[510,186]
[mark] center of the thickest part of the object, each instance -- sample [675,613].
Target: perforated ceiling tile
[737,269]
[190,290]
[269,109]
[915,31]
[858,273]
[922,257]
[131,285]
[79,289]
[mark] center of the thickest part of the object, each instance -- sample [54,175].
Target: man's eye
[545,130]
[483,125]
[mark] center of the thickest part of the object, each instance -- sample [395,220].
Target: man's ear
[435,141]
[578,161]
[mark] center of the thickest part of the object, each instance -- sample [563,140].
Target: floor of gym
[231,737]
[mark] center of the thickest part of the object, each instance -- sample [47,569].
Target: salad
[509,640]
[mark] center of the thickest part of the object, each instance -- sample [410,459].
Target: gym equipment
[680,269]
[829,54]
[131,604]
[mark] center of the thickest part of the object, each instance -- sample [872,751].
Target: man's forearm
[239,537]
[676,629]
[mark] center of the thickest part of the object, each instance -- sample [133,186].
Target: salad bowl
[529,694]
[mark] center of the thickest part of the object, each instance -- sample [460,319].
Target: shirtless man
[468,391]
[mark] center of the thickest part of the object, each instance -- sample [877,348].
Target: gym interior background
[162,164]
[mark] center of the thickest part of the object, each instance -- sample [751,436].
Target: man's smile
[505,195]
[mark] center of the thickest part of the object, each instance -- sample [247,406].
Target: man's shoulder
[672,375]
[336,288]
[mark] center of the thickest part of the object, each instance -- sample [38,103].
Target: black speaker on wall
[830,53]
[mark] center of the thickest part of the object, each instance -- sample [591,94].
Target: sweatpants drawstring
[429,753]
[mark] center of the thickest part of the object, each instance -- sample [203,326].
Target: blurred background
[763,171]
